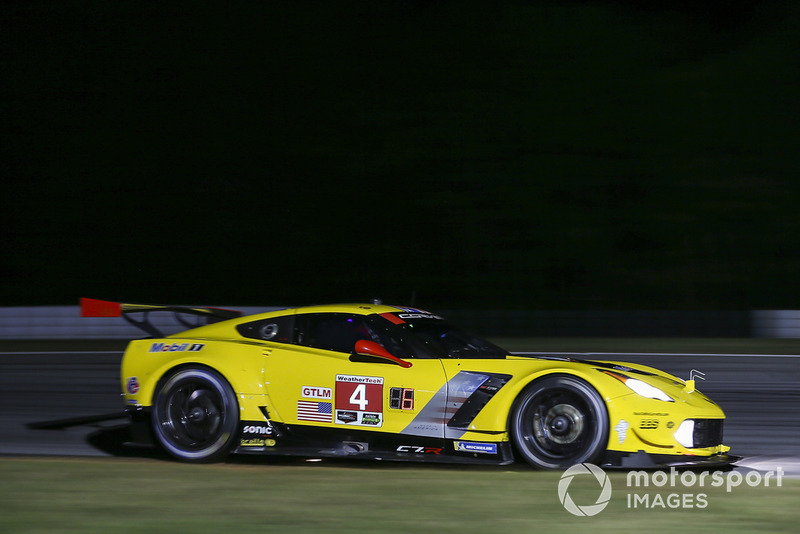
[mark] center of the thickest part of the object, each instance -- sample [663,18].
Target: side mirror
[370,348]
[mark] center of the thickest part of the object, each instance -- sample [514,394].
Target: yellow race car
[399,383]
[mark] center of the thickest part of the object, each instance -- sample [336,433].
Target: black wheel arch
[169,373]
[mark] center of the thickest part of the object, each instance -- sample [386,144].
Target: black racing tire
[196,415]
[559,421]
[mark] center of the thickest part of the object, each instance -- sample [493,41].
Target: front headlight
[646,390]
[685,434]
[640,387]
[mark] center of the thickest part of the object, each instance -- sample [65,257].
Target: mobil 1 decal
[359,400]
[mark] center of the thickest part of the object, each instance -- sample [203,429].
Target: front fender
[493,419]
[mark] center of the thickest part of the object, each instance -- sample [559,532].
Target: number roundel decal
[359,400]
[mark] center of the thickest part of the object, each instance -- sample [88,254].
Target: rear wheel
[195,415]
[559,421]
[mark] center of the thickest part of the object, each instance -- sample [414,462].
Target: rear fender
[147,361]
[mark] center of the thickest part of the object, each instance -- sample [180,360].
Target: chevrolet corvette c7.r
[399,383]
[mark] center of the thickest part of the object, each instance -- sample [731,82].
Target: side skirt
[300,440]
[643,460]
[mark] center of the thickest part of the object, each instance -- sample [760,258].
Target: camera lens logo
[566,480]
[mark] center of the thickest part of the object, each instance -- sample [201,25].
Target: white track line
[789,464]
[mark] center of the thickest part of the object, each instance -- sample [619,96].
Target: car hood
[673,386]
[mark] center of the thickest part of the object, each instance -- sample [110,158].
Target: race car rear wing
[105,308]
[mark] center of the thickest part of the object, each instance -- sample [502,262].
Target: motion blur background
[548,155]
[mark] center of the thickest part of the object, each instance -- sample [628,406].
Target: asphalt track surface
[62,402]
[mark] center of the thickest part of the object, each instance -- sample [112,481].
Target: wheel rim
[195,415]
[557,424]
[562,424]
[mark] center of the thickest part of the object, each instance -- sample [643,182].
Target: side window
[332,331]
[275,329]
[391,336]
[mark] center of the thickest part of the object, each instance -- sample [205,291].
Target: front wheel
[559,421]
[195,415]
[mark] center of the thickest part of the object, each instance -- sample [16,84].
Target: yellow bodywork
[271,378]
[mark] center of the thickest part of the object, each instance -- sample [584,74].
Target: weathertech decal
[176,347]
[359,400]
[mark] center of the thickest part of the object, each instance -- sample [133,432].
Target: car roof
[355,308]
[226,329]
[352,308]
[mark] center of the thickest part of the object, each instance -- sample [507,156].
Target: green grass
[101,495]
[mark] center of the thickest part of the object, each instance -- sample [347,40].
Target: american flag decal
[314,411]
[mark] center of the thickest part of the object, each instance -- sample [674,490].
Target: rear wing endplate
[106,308]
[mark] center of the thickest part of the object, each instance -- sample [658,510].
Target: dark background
[526,155]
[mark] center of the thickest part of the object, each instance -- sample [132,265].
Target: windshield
[430,337]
